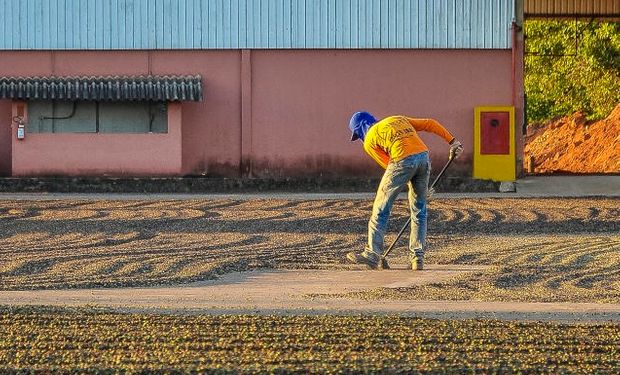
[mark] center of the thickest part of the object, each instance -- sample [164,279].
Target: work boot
[371,260]
[384,265]
[417,263]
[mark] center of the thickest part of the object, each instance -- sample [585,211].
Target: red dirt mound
[573,145]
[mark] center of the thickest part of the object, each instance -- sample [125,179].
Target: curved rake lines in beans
[109,214]
[557,250]
[9,213]
[115,210]
[333,207]
[514,210]
[29,244]
[561,268]
[35,242]
[474,215]
[154,214]
[62,214]
[53,244]
[160,257]
[174,257]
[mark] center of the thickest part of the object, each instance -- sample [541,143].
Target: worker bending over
[394,143]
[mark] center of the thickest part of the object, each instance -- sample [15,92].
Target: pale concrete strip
[239,289]
[569,186]
[174,196]
[529,187]
[240,197]
[286,292]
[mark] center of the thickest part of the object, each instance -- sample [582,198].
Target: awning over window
[110,88]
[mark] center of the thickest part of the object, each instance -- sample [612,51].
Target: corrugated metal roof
[143,88]
[253,24]
[572,8]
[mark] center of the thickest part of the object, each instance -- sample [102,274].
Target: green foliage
[571,66]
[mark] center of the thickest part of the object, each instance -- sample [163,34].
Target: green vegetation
[571,66]
[87,341]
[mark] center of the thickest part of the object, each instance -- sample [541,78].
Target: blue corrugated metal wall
[234,24]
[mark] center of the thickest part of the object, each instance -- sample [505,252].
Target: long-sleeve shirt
[395,137]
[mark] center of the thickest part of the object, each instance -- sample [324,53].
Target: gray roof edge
[104,88]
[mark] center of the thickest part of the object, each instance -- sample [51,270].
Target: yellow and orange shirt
[396,137]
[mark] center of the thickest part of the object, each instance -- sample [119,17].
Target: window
[97,117]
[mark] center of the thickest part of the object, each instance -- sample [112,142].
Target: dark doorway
[5,138]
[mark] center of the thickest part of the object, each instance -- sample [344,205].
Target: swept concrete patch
[277,288]
[286,292]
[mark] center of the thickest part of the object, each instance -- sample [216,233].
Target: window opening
[54,117]
[98,117]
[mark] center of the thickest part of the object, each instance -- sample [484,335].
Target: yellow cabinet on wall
[494,143]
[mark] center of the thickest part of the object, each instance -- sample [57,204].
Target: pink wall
[44,154]
[288,110]
[302,102]
[211,128]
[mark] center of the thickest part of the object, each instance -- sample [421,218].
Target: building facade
[264,88]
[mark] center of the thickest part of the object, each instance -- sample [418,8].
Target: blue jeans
[413,171]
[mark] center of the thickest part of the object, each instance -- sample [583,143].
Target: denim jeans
[414,172]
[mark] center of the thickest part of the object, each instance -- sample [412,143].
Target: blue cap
[359,124]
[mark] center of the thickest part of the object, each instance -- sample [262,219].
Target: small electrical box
[21,131]
[19,121]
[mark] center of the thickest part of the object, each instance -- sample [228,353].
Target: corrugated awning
[109,88]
